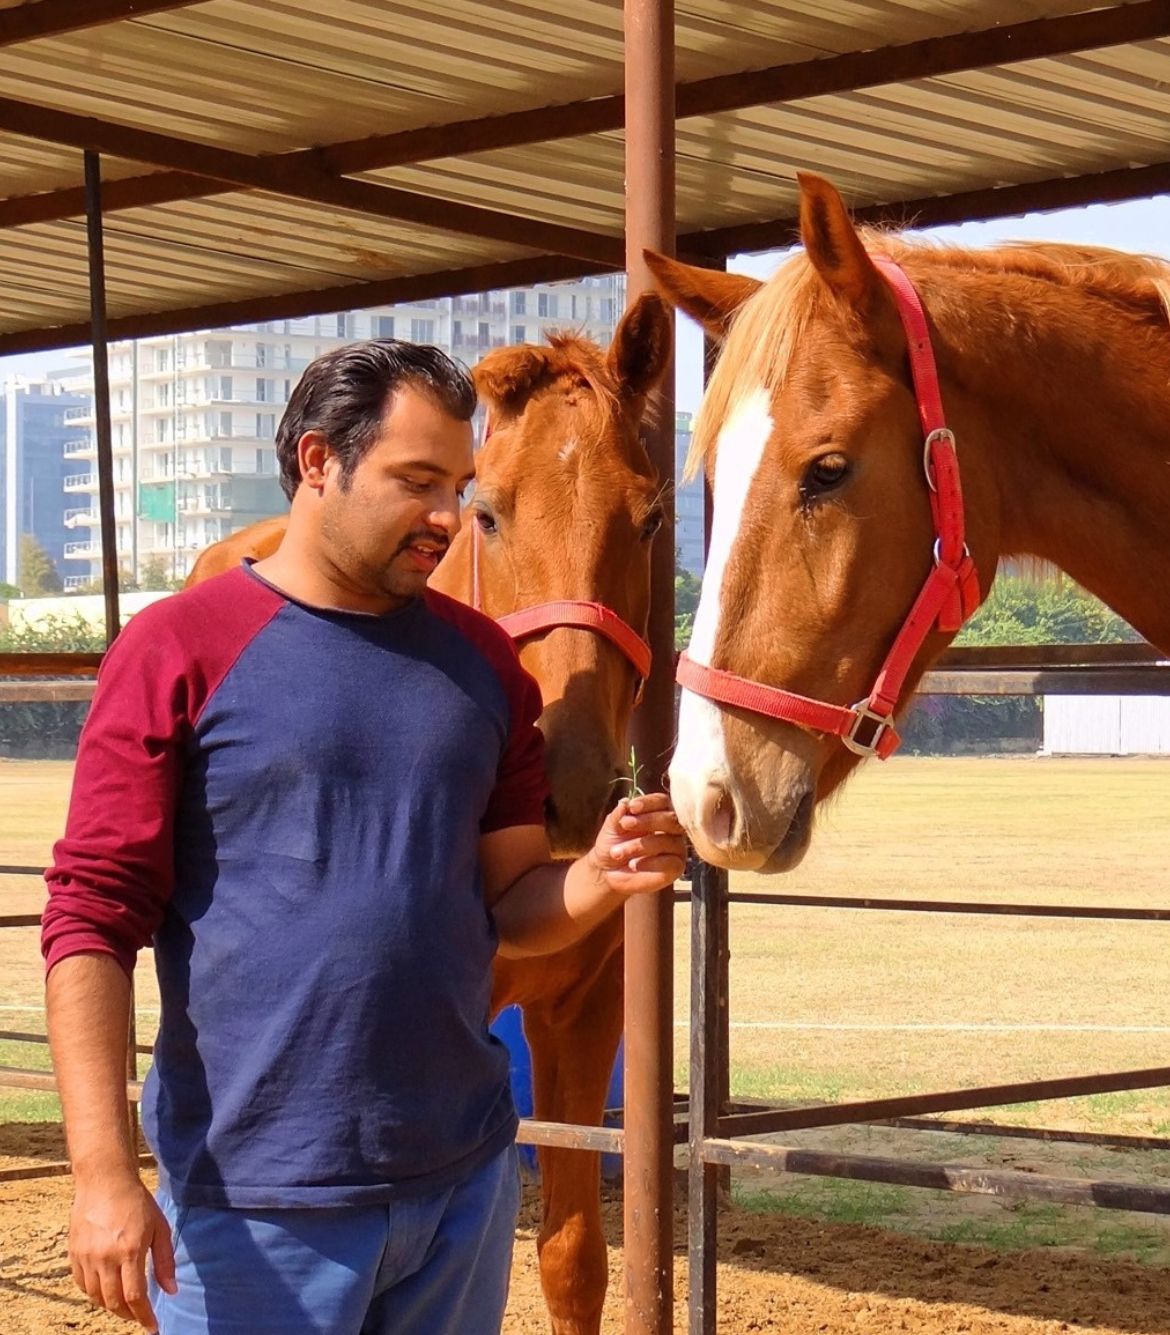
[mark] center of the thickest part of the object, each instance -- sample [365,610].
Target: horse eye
[652,525]
[823,475]
[485,519]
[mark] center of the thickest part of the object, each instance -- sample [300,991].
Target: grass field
[831,1004]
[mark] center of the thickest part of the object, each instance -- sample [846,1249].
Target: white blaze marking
[701,755]
[567,450]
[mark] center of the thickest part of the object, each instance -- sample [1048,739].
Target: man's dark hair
[344,395]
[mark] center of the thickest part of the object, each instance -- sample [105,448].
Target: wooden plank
[16,1077]
[51,18]
[49,665]
[41,692]
[1019,1186]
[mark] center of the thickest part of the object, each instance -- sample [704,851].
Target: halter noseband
[567,613]
[947,599]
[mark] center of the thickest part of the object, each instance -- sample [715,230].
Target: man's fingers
[110,1287]
[162,1255]
[649,845]
[134,1292]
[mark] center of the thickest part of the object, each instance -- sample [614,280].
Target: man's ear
[313,453]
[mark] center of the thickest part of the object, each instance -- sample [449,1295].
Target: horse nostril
[717,815]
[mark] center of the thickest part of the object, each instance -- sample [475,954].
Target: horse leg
[573,1045]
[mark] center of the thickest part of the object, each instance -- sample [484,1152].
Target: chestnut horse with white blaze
[887,421]
[565,508]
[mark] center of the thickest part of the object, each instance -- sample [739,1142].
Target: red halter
[949,596]
[574,614]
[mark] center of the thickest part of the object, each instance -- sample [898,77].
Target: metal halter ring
[864,713]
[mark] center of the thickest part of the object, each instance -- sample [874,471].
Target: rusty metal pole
[105,466]
[101,391]
[648,1163]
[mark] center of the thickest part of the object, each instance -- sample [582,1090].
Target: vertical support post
[101,391]
[648,1162]
[708,897]
[105,467]
[721,934]
[710,1084]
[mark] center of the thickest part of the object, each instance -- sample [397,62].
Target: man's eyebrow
[421,466]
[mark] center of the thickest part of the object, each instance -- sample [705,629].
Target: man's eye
[413,485]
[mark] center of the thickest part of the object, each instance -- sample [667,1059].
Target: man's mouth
[425,555]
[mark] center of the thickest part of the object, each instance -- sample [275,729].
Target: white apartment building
[194,415]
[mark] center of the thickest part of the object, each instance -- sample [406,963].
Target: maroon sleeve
[113,871]
[521,782]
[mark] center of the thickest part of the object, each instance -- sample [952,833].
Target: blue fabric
[430,1264]
[324,961]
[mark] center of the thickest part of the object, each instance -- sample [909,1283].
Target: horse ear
[642,345]
[709,296]
[507,376]
[832,242]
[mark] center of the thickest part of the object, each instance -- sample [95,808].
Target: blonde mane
[768,327]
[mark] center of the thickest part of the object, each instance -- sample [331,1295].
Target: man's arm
[115,1221]
[542,906]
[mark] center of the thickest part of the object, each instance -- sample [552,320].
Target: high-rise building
[688,502]
[39,422]
[194,415]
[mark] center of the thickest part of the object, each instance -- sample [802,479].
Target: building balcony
[80,482]
[82,414]
[81,448]
[82,550]
[85,517]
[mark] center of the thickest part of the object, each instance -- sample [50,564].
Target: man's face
[386,527]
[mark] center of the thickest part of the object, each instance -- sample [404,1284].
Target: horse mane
[515,373]
[771,323]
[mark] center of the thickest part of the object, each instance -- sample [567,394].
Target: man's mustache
[439,540]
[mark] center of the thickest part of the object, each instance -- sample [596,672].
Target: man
[318,788]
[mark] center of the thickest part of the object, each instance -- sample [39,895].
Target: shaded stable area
[181,165]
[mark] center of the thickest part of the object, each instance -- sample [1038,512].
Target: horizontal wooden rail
[1108,1195]
[951,1100]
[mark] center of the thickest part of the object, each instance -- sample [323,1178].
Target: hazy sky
[1140,225]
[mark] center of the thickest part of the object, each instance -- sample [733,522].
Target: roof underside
[915,108]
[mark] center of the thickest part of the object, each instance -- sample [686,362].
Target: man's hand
[114,1224]
[641,847]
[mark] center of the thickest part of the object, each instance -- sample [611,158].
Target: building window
[517,303]
[422,331]
[456,331]
[518,335]
[383,326]
[343,326]
[224,387]
[225,458]
[261,354]
[162,359]
[261,390]
[485,334]
[265,426]
[225,424]
[546,304]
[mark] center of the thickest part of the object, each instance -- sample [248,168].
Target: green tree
[155,576]
[686,599]
[8,591]
[1020,610]
[37,574]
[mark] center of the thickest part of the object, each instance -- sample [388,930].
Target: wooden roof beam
[320,301]
[302,179]
[1061,192]
[52,18]
[932,57]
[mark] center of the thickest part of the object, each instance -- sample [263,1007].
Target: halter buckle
[863,714]
[939,433]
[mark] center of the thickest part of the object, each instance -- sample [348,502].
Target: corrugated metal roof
[273,77]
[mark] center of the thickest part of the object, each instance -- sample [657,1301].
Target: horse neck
[1070,444]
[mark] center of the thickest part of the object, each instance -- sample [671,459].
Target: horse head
[823,528]
[565,507]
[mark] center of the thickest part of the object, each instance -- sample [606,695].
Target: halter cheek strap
[573,614]
[947,599]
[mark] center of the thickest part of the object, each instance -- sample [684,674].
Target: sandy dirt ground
[776,1274]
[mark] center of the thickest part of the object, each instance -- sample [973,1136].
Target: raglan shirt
[288,801]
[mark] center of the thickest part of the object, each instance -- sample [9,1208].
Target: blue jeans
[428,1265]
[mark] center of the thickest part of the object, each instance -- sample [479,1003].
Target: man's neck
[307,575]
